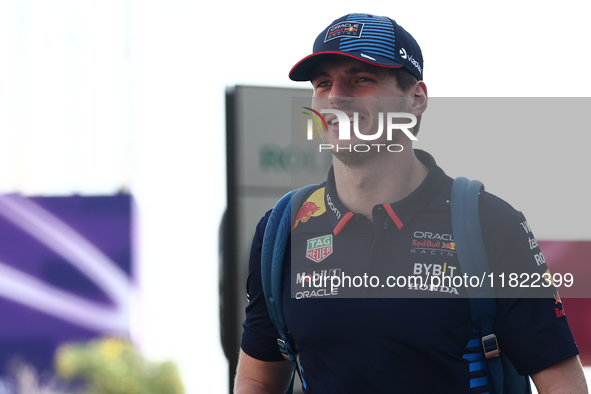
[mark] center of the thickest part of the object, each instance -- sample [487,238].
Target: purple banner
[65,272]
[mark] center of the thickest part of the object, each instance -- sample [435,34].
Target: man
[387,213]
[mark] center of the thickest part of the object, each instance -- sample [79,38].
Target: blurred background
[119,106]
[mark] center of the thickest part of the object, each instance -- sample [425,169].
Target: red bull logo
[314,206]
[305,213]
[557,299]
[426,243]
[350,29]
[450,245]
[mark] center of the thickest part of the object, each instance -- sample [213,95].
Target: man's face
[351,86]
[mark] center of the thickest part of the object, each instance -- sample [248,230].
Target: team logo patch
[314,206]
[427,242]
[344,29]
[317,249]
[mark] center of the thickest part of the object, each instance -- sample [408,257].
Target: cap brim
[304,69]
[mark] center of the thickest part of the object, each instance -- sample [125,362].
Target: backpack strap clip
[285,350]
[490,346]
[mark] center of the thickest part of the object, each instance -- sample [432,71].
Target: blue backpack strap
[272,256]
[465,221]
[473,261]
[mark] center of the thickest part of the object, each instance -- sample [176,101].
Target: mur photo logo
[345,122]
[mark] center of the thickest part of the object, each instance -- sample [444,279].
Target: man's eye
[364,79]
[322,84]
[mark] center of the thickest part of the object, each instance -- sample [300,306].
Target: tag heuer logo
[319,248]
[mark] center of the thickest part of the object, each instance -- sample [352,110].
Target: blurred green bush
[114,366]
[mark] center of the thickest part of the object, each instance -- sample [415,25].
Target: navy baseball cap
[376,40]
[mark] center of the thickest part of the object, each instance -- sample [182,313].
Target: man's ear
[420,99]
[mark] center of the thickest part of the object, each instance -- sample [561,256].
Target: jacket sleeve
[531,326]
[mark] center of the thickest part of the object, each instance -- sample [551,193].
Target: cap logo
[403,55]
[344,29]
[368,57]
[416,64]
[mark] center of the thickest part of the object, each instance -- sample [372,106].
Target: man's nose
[339,92]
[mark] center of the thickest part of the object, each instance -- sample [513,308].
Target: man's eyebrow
[317,74]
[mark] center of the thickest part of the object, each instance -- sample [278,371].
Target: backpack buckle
[490,346]
[285,350]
